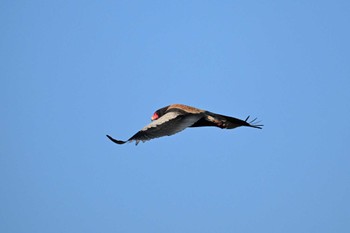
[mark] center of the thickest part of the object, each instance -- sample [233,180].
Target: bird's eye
[155,116]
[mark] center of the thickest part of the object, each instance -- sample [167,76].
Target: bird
[174,118]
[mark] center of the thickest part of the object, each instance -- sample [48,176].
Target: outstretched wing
[169,124]
[224,122]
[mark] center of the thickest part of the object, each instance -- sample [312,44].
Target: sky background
[73,71]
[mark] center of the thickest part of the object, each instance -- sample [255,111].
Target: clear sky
[73,71]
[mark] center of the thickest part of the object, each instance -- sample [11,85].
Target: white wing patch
[169,124]
[167,117]
[183,124]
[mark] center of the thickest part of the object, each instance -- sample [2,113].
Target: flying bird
[177,117]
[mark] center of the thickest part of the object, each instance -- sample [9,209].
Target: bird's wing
[169,124]
[224,122]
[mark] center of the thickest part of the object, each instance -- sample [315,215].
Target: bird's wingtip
[115,140]
[257,126]
[253,123]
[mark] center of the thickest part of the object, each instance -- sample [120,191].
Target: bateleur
[177,117]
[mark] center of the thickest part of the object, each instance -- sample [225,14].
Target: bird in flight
[177,117]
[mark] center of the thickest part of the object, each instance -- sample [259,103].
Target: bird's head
[159,113]
[155,116]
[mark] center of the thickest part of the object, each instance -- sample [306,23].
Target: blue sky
[72,72]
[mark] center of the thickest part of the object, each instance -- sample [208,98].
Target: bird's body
[177,117]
